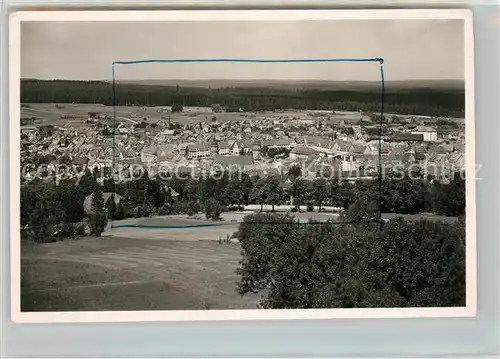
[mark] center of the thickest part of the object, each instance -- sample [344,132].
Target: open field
[118,273]
[144,268]
[48,113]
[154,228]
[77,114]
[138,268]
[151,228]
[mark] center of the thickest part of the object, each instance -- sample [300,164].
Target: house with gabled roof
[149,154]
[320,144]
[302,152]
[224,148]
[406,137]
[373,148]
[235,148]
[277,143]
[459,147]
[357,149]
[298,141]
[243,163]
[80,162]
[447,148]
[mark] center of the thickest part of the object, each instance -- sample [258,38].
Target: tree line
[46,205]
[428,102]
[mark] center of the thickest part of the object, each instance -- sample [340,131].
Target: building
[407,137]
[428,133]
[80,162]
[349,163]
[121,129]
[302,152]
[256,152]
[240,163]
[28,130]
[166,135]
[224,149]
[319,144]
[373,149]
[149,154]
[235,148]
[277,143]
[197,151]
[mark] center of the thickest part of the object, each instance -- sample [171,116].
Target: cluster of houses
[258,145]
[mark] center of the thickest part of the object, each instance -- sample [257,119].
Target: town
[332,144]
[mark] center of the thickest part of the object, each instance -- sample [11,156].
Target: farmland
[138,269]
[138,272]
[77,114]
[143,268]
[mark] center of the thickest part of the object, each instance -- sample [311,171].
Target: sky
[412,49]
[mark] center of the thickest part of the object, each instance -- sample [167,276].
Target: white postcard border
[238,15]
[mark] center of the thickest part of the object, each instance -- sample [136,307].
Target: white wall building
[429,136]
[428,133]
[198,151]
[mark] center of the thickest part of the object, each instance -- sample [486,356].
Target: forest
[436,102]
[352,264]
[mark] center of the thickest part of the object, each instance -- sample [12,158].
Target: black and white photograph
[242,165]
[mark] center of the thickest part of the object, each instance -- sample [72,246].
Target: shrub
[137,213]
[128,212]
[177,108]
[165,210]
[310,207]
[80,229]
[58,232]
[144,211]
[212,209]
[67,230]
[177,208]
[121,212]
[97,223]
[190,212]
[44,234]
[191,208]
[148,210]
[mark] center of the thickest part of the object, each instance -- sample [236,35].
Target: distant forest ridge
[409,97]
[307,84]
